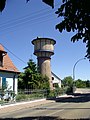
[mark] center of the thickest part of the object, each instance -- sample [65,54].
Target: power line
[13,54]
[34,17]
[37,21]
[19,25]
[24,17]
[29,17]
[25,21]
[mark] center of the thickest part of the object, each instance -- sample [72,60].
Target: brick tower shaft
[45,68]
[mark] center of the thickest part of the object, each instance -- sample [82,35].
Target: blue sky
[20,23]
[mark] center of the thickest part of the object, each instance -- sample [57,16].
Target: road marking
[54,112]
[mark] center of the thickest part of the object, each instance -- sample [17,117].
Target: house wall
[10,83]
[56,80]
[10,79]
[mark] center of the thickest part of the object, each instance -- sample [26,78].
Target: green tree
[21,82]
[68,84]
[76,17]
[88,83]
[29,74]
[80,84]
[67,81]
[31,78]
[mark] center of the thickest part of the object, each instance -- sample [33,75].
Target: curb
[20,103]
[29,102]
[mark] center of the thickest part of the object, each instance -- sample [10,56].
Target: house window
[4,83]
[1,60]
[55,85]
[52,78]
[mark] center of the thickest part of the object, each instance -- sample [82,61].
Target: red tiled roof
[1,48]
[7,63]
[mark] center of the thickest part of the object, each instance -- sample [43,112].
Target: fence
[23,95]
[29,94]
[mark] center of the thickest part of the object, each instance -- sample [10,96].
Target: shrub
[20,97]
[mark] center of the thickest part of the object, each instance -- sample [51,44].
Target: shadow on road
[40,118]
[75,98]
[33,118]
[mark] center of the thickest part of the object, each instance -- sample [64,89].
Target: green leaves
[2,5]
[80,83]
[61,26]
[49,2]
[27,0]
[67,81]
[76,18]
[88,49]
[32,79]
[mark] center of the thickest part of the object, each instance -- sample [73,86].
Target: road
[72,107]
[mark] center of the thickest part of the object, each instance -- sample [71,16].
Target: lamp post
[74,72]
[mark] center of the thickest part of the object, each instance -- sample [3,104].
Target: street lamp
[75,66]
[74,72]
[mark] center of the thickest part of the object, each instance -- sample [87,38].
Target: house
[8,71]
[56,80]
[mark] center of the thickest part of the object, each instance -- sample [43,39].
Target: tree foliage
[82,84]
[31,78]
[67,81]
[2,4]
[76,17]
[49,2]
[88,84]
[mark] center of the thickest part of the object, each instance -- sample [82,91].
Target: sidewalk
[23,105]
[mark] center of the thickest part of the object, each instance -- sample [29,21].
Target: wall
[56,80]
[9,79]
[82,90]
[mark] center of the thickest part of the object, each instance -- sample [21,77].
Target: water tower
[44,49]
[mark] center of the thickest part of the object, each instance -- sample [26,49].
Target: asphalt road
[72,107]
